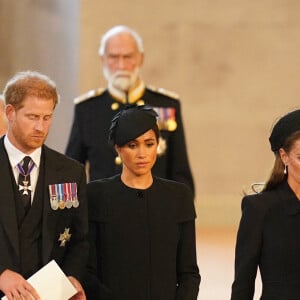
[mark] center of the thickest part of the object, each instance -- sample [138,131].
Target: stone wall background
[43,35]
[235,65]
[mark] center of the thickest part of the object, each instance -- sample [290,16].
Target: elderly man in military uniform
[122,54]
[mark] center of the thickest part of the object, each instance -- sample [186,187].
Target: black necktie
[24,183]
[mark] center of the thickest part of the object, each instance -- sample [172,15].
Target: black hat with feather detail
[131,122]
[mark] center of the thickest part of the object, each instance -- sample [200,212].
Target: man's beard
[122,80]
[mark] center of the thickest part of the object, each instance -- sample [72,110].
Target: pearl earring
[285,170]
[118,160]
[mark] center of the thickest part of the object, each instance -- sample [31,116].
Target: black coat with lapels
[269,238]
[72,256]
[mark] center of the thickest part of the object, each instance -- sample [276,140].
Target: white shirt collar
[15,155]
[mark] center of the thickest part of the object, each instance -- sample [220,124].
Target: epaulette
[163,91]
[88,95]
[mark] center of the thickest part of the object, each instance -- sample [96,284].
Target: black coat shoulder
[258,208]
[59,158]
[176,187]
[262,201]
[179,195]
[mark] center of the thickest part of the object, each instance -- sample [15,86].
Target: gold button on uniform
[115,106]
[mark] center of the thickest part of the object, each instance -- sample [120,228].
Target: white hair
[118,30]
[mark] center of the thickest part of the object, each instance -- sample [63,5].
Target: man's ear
[10,112]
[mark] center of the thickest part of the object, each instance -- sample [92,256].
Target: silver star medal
[25,187]
[64,237]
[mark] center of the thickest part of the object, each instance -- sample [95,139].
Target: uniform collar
[135,93]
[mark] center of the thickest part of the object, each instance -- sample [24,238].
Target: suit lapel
[7,201]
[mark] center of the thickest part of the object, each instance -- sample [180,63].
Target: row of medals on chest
[55,202]
[71,201]
[61,203]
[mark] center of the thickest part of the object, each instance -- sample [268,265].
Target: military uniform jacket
[71,257]
[269,238]
[142,242]
[89,136]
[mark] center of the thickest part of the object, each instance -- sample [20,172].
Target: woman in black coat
[269,231]
[142,228]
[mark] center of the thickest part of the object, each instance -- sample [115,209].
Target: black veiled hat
[131,122]
[284,127]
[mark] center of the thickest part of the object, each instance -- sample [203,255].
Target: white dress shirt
[16,156]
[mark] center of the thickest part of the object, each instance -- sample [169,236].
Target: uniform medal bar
[166,118]
[171,122]
[159,123]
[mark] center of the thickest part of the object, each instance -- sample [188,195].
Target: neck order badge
[24,180]
[25,170]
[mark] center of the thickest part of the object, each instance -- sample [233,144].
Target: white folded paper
[51,283]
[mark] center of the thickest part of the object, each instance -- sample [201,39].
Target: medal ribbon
[60,192]
[171,113]
[64,186]
[68,191]
[30,168]
[74,190]
[53,192]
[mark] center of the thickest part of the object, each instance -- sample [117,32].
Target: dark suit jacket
[269,238]
[89,138]
[72,257]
